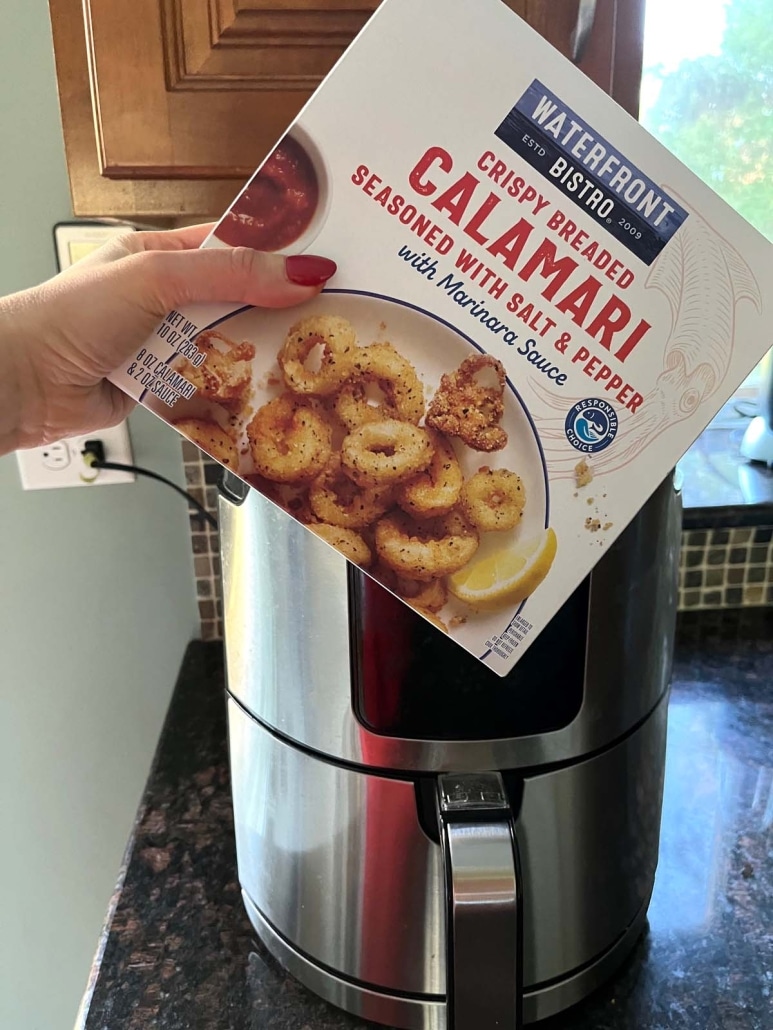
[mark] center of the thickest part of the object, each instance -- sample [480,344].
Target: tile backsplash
[726,568]
[719,568]
[201,477]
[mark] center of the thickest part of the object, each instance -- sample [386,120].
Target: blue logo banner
[591,172]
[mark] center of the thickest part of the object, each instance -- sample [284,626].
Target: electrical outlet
[55,456]
[61,464]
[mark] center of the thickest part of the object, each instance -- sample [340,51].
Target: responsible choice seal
[591,425]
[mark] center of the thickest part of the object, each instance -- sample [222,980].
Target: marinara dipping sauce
[278,203]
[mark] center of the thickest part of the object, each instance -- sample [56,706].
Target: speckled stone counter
[177,951]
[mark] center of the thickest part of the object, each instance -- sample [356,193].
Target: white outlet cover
[56,456]
[61,464]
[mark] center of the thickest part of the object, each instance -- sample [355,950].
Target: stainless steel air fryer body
[423,868]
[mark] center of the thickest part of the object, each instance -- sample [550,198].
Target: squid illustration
[703,279]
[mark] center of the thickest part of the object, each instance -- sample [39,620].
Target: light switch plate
[61,464]
[78,239]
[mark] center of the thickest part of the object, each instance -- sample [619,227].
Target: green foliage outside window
[715,112]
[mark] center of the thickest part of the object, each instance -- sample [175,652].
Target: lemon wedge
[506,577]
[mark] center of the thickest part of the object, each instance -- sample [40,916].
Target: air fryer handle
[483,902]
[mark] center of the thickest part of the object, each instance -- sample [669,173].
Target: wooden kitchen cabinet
[169,105]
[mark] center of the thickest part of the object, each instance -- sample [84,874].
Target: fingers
[128,243]
[172,278]
[188,238]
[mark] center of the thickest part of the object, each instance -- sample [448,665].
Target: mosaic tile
[732,568]
[741,536]
[202,475]
[200,543]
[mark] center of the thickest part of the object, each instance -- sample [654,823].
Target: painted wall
[97,604]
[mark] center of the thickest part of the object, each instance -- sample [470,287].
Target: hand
[59,340]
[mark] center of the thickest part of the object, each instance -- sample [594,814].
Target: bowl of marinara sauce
[285,203]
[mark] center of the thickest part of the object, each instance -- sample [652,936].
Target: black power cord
[94,456]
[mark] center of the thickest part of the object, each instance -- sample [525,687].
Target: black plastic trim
[232,488]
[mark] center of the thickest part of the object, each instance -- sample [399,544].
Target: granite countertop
[177,951]
[719,487]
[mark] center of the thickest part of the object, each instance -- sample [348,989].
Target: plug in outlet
[61,464]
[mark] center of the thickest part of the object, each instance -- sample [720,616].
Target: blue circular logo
[591,425]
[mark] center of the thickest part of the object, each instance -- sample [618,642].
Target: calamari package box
[536,307]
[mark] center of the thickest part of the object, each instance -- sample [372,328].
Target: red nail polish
[309,270]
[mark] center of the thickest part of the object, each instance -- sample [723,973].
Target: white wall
[96,606]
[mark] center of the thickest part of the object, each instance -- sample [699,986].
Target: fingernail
[309,270]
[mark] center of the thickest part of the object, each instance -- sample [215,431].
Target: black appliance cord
[138,470]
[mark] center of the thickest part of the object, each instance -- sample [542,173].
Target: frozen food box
[537,310]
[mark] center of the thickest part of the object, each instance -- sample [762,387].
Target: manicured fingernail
[309,270]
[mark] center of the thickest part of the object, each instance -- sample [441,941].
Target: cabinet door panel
[168,105]
[204,88]
[258,44]
[93,194]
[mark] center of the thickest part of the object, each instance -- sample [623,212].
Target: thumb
[239,275]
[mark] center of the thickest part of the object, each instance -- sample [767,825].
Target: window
[707,95]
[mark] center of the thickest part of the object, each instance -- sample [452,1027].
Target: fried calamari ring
[493,499]
[292,497]
[289,441]
[425,550]
[395,376]
[350,544]
[383,573]
[465,407]
[435,491]
[337,342]
[431,596]
[210,438]
[385,453]
[336,499]
[225,377]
